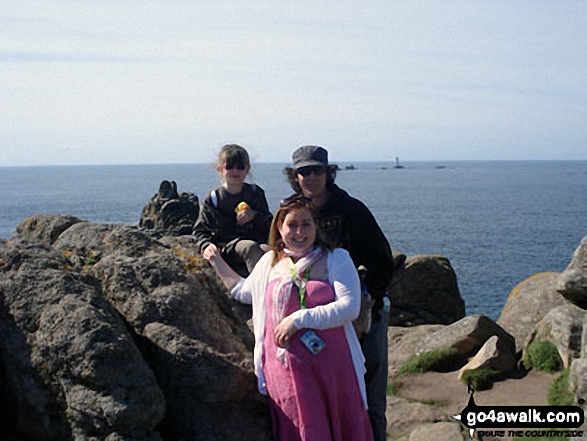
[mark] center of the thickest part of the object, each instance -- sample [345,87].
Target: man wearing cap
[348,223]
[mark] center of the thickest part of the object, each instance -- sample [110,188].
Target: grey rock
[495,355]
[203,387]
[402,343]
[113,334]
[562,326]
[528,303]
[71,367]
[445,431]
[169,213]
[578,381]
[573,281]
[44,227]
[467,336]
[92,241]
[426,286]
[403,416]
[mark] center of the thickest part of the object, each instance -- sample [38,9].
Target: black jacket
[347,223]
[217,220]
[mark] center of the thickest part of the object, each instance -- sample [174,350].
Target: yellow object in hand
[242,206]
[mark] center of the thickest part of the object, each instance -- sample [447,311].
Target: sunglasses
[232,166]
[318,170]
[296,200]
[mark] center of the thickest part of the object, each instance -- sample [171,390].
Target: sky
[138,82]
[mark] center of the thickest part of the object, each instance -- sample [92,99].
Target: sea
[498,222]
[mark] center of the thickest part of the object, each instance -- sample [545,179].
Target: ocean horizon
[498,222]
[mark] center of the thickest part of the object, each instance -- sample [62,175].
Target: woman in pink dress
[308,359]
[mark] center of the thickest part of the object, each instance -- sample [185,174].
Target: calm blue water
[497,222]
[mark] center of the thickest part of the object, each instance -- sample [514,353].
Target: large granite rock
[169,213]
[467,336]
[404,416]
[45,227]
[528,303]
[563,327]
[425,291]
[71,368]
[578,381]
[572,283]
[495,354]
[402,344]
[113,334]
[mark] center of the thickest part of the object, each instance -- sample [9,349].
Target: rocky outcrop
[425,291]
[528,303]
[467,336]
[438,431]
[573,281]
[109,333]
[402,343]
[405,416]
[578,381]
[45,227]
[495,355]
[563,327]
[71,368]
[169,213]
[545,307]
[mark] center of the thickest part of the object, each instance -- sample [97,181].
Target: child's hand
[245,216]
[210,252]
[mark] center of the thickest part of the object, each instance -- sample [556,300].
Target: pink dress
[313,397]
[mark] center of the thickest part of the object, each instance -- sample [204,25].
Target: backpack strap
[214,198]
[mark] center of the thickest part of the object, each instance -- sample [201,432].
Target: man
[349,224]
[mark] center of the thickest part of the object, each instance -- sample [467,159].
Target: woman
[307,356]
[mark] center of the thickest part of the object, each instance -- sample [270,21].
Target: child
[234,218]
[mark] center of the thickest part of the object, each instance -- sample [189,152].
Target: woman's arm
[240,288]
[229,277]
[346,306]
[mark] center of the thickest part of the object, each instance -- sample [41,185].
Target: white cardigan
[342,275]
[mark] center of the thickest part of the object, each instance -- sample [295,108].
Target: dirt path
[449,396]
[446,390]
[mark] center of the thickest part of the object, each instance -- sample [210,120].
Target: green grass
[392,389]
[438,360]
[543,356]
[480,379]
[559,394]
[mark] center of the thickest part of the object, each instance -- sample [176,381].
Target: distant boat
[440,167]
[397,163]
[350,167]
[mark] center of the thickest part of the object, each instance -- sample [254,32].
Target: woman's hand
[245,216]
[283,332]
[210,252]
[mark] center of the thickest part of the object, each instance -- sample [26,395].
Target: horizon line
[350,162]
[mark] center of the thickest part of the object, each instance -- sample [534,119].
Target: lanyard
[301,284]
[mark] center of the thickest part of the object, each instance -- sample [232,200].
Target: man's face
[312,180]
